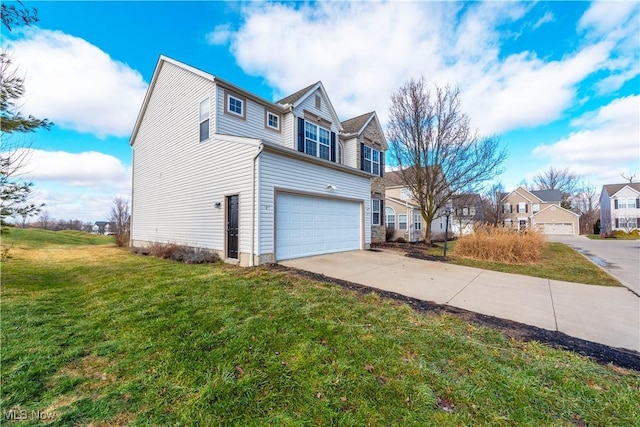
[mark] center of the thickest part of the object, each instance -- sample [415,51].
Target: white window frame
[472,211]
[231,97]
[371,160]
[535,208]
[417,221]
[504,208]
[268,121]
[402,222]
[375,209]
[405,194]
[317,140]
[202,119]
[390,212]
[522,207]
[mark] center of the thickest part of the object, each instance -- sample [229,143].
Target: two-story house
[218,167]
[620,207]
[538,209]
[404,219]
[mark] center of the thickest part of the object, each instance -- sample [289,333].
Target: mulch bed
[599,352]
[412,250]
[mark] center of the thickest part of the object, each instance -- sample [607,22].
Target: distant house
[218,167]
[539,209]
[104,227]
[620,207]
[403,216]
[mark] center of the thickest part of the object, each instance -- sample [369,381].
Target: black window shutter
[301,134]
[382,163]
[615,205]
[637,203]
[617,223]
[333,146]
[638,222]
[526,208]
[361,156]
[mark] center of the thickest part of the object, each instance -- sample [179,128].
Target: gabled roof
[612,189]
[403,202]
[548,196]
[545,196]
[557,207]
[291,99]
[357,124]
[393,179]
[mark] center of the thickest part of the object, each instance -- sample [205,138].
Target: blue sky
[559,82]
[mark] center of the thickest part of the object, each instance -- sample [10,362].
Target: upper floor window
[235,105]
[522,207]
[536,207]
[472,210]
[371,160]
[317,141]
[273,121]
[204,120]
[506,208]
[627,203]
[375,211]
[405,194]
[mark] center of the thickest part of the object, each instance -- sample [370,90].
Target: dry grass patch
[500,244]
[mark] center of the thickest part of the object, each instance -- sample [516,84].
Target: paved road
[606,315]
[620,258]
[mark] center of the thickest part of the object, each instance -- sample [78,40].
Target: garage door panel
[308,226]
[557,228]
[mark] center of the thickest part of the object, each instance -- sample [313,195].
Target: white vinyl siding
[175,187]
[325,113]
[291,175]
[350,153]
[252,127]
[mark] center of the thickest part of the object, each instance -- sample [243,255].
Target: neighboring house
[103,227]
[365,134]
[538,209]
[620,207]
[217,167]
[466,210]
[402,215]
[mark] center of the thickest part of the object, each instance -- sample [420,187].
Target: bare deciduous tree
[121,217]
[435,149]
[629,177]
[587,204]
[491,206]
[562,180]
[45,220]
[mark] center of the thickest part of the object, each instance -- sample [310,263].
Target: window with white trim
[390,217]
[417,223]
[506,208]
[273,121]
[507,222]
[522,207]
[204,120]
[402,221]
[317,141]
[371,160]
[235,105]
[536,207]
[375,211]
[405,194]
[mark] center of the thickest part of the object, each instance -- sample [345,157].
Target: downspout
[256,206]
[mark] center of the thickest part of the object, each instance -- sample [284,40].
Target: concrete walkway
[606,315]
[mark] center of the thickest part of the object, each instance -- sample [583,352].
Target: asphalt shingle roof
[548,196]
[296,96]
[354,124]
[614,188]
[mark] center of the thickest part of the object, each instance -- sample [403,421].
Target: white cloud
[547,17]
[221,34]
[88,169]
[356,46]
[606,142]
[75,84]
[604,17]
[76,185]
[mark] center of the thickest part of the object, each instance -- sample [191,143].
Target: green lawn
[559,262]
[94,335]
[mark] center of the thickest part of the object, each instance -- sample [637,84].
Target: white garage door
[559,228]
[312,226]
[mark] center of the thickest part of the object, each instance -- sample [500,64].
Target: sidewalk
[606,315]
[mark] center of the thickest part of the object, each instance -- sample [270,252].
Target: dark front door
[232,227]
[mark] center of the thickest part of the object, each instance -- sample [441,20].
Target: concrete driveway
[620,258]
[606,315]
